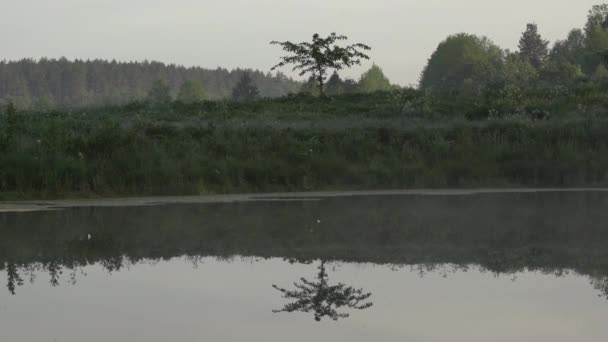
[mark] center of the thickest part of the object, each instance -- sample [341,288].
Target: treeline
[372,80]
[462,65]
[50,83]
[470,64]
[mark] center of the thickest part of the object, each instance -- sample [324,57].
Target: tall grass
[384,140]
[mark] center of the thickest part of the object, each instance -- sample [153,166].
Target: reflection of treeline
[548,232]
[217,147]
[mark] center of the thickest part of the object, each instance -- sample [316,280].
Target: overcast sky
[236,33]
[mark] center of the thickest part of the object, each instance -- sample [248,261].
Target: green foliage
[160,93]
[310,87]
[394,139]
[335,85]
[374,80]
[519,71]
[596,48]
[350,86]
[533,47]
[561,73]
[596,17]
[320,55]
[191,92]
[245,90]
[48,84]
[570,50]
[460,60]
[596,38]
[600,74]
[11,127]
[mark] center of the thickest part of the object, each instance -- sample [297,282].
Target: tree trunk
[321,87]
[321,73]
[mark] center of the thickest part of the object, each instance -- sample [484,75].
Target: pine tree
[374,80]
[533,47]
[334,86]
[245,90]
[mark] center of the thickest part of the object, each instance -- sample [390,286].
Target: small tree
[374,80]
[320,55]
[245,90]
[533,47]
[191,92]
[160,92]
[334,85]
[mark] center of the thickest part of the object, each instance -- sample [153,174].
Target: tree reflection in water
[323,299]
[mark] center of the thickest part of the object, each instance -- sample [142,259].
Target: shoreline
[42,205]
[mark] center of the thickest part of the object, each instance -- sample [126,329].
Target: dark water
[486,267]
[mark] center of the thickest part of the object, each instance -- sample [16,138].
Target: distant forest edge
[463,65]
[49,83]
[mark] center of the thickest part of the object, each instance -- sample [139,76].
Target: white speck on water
[89,236]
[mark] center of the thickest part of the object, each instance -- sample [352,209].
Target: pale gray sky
[231,33]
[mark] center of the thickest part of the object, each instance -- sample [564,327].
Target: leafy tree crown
[321,54]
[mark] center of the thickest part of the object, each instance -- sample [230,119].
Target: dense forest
[49,83]
[470,64]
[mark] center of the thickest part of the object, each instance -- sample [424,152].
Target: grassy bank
[386,140]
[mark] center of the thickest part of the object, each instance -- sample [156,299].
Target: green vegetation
[374,80]
[245,90]
[191,92]
[60,83]
[462,60]
[481,116]
[160,93]
[404,138]
[321,55]
[533,48]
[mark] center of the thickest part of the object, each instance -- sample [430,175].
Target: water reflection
[502,233]
[323,299]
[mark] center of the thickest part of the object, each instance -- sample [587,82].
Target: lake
[381,266]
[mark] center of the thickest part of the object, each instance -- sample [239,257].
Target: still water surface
[480,267]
